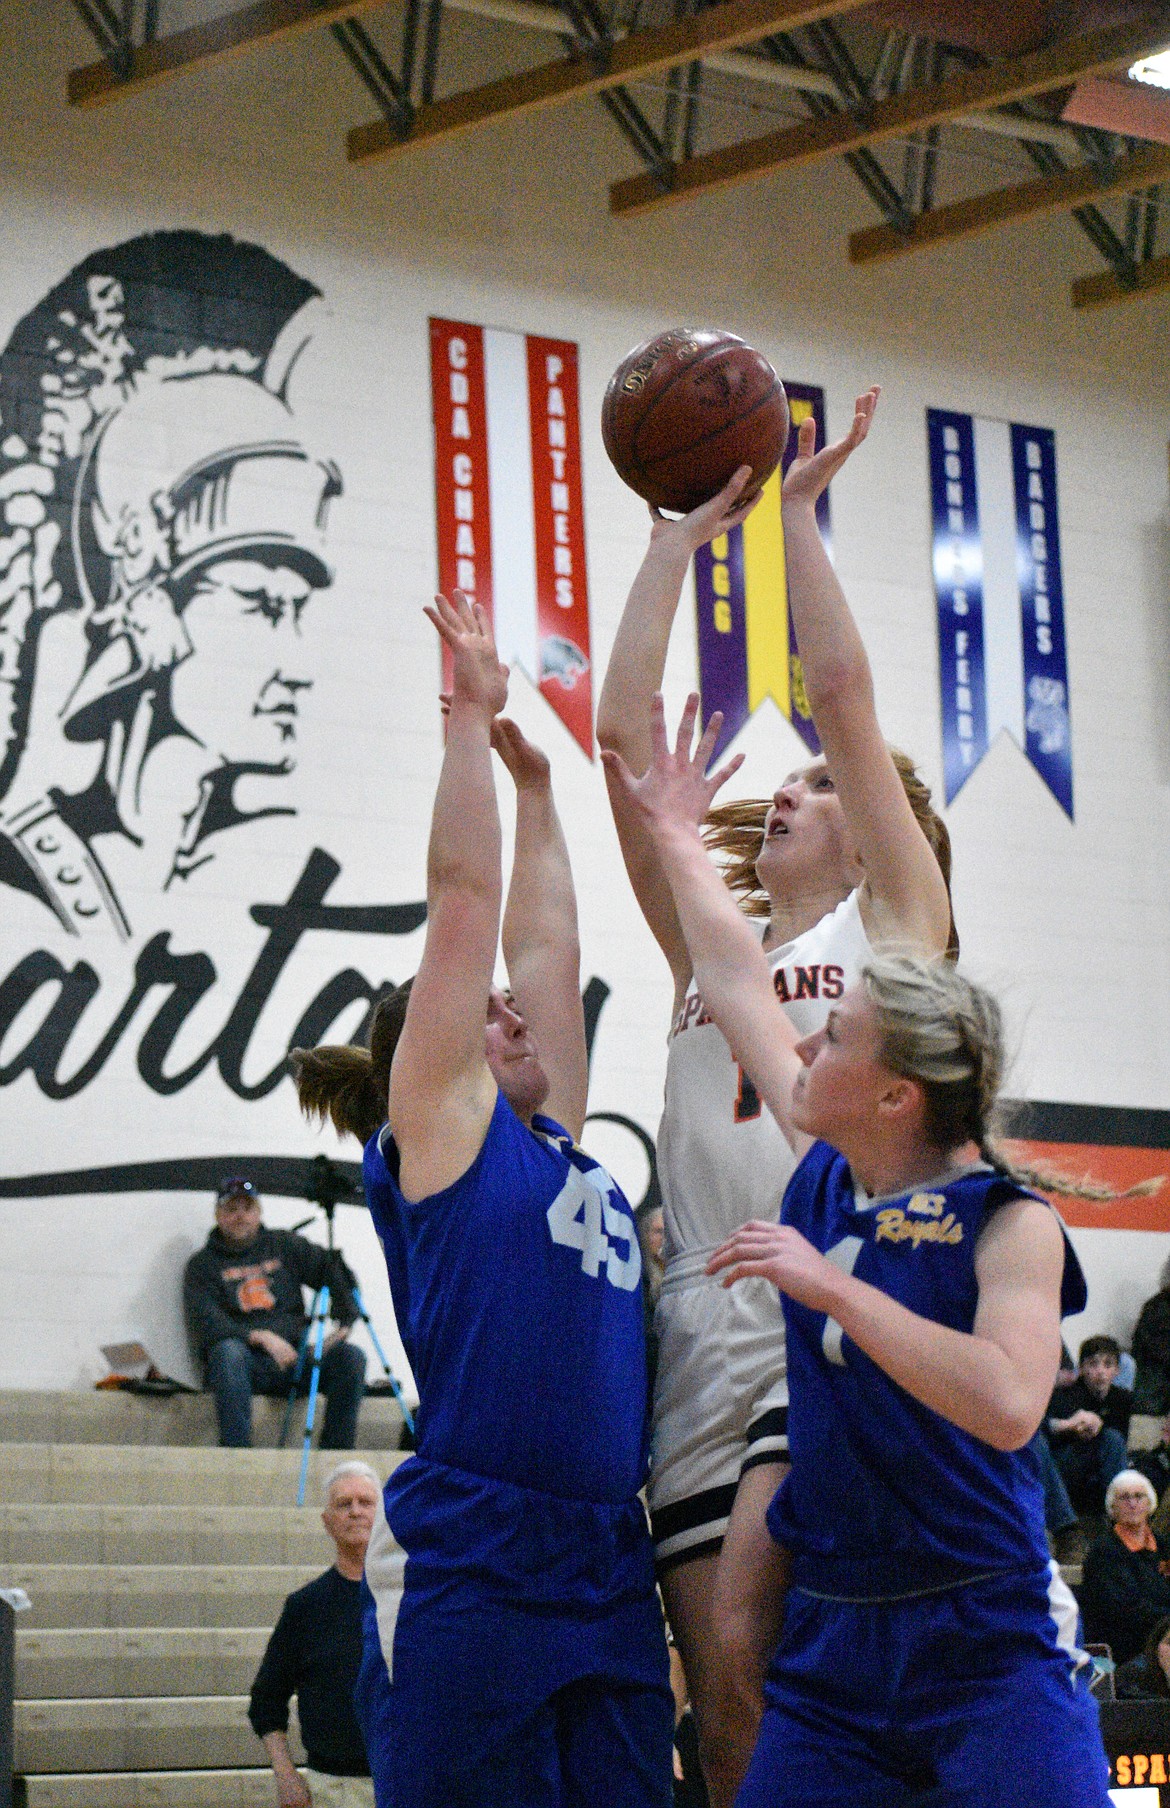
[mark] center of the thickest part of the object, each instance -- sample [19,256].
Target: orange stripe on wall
[1112,1166]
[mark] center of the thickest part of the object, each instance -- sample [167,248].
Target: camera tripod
[330,1188]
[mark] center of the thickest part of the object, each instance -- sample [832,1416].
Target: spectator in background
[1088,1424]
[1147,1676]
[1065,1533]
[314,1654]
[1151,1349]
[1126,1589]
[1155,1464]
[246,1310]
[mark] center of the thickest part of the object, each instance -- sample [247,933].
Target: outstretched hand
[724,511]
[811,471]
[675,789]
[478,677]
[528,765]
[777,1253]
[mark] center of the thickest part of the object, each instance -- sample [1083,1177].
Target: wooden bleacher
[156,1565]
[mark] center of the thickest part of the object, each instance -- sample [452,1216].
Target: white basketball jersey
[722,1157]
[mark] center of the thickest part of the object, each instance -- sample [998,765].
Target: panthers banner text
[509,504]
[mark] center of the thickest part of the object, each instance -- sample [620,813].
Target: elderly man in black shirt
[315,1653]
[246,1310]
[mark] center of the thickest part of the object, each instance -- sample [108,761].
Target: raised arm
[541,949]
[671,800]
[634,675]
[993,1381]
[904,897]
[442,1094]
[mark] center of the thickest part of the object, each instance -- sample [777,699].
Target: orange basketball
[684,410]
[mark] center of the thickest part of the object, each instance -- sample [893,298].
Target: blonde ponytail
[945,1032]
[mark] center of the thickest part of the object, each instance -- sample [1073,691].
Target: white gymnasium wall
[510,227]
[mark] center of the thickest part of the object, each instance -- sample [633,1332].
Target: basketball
[685,409]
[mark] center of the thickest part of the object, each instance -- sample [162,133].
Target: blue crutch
[395,1385]
[317,1326]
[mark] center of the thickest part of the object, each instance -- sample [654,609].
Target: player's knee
[743,1649]
[724,1750]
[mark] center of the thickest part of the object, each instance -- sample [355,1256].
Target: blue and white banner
[996,556]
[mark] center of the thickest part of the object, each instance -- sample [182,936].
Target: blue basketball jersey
[885,1497]
[529,1566]
[517,1293]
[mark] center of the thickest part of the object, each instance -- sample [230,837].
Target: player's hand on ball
[811,471]
[675,790]
[710,519]
[777,1253]
[528,766]
[477,674]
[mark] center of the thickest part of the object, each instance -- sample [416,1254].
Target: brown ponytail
[350,1085]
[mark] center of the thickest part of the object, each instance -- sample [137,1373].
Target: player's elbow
[1014,1422]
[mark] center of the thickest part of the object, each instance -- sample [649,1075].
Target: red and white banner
[509,504]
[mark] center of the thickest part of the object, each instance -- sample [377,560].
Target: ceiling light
[1153,69]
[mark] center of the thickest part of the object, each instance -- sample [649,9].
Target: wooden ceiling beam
[162,58]
[601,66]
[1102,290]
[995,84]
[1022,201]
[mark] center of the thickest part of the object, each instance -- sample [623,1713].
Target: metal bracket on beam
[391,95]
[1091,221]
[628,116]
[852,89]
[113,31]
[430,64]
[592,40]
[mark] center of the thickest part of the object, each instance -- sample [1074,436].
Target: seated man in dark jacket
[1088,1425]
[1151,1349]
[246,1309]
[315,1654]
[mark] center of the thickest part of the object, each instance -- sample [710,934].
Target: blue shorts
[522,1663]
[975,1697]
[593,1744]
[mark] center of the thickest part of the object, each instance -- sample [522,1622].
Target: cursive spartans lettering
[185,979]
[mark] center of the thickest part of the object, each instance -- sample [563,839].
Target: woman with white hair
[1126,1587]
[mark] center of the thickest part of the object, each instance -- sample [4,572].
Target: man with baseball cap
[246,1309]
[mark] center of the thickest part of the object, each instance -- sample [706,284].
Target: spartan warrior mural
[162,527]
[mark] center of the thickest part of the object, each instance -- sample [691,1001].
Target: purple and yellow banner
[747,647]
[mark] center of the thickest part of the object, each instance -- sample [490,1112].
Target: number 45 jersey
[517,1297]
